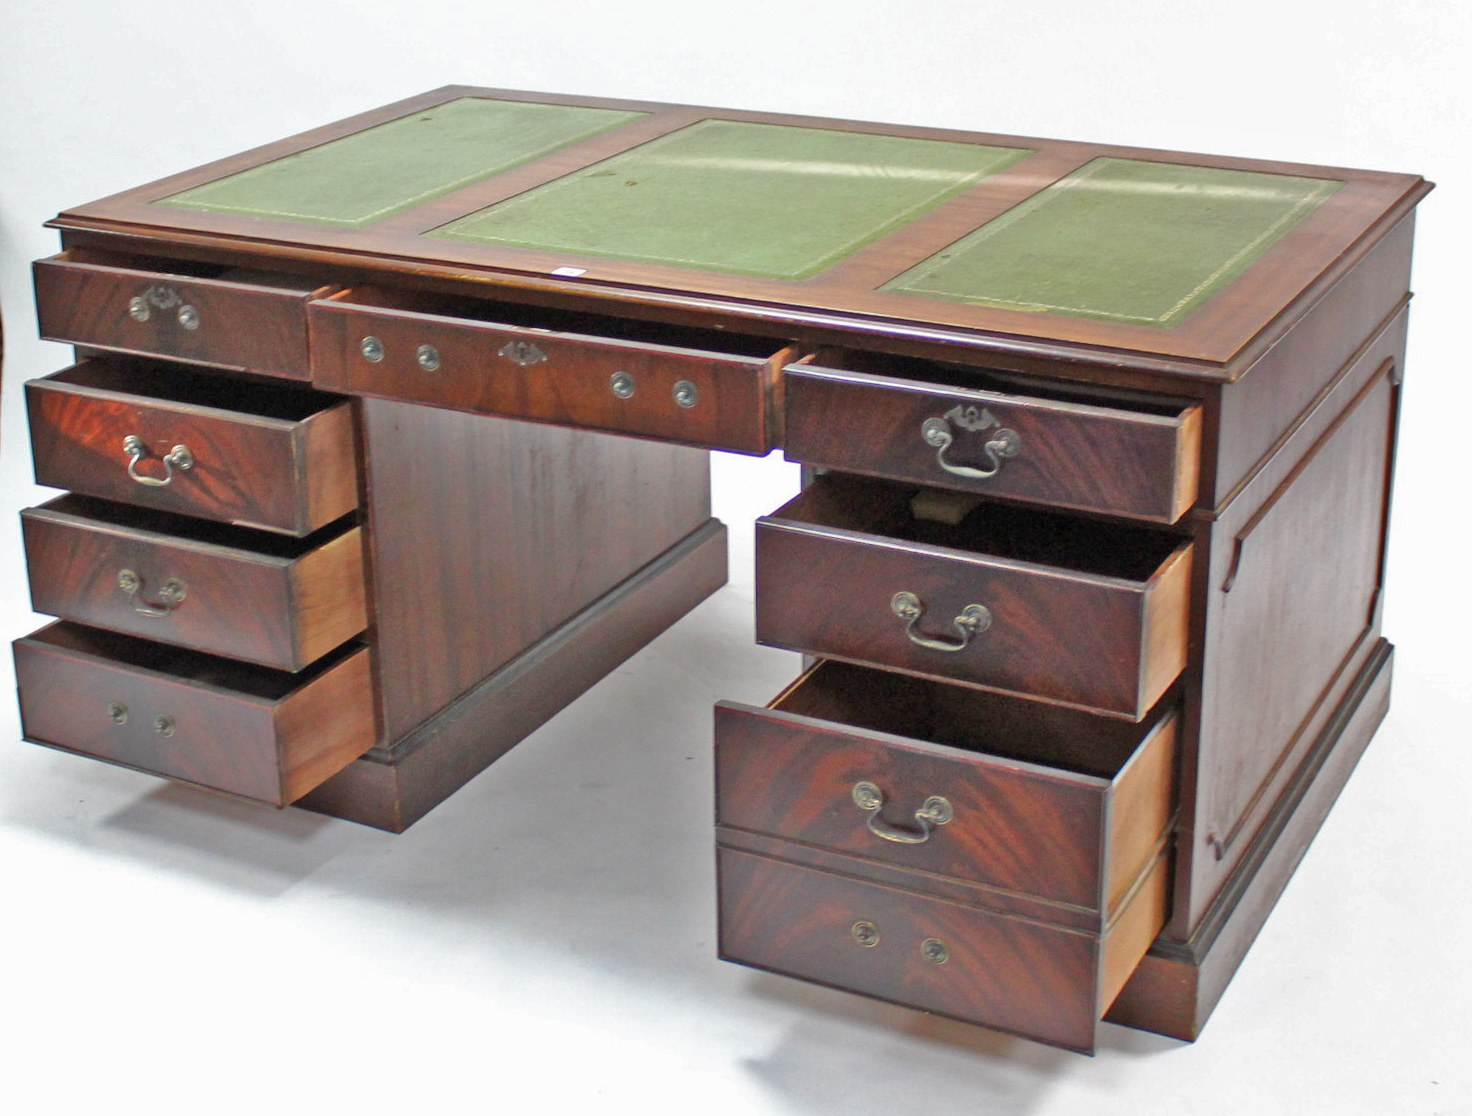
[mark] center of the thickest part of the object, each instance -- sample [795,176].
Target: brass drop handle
[973,620]
[177,458]
[1001,445]
[934,811]
[171,594]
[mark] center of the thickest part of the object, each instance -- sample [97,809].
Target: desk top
[960,236]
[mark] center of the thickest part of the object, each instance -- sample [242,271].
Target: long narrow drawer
[1062,806]
[970,430]
[696,387]
[1076,612]
[282,458]
[269,599]
[203,314]
[245,730]
[1030,978]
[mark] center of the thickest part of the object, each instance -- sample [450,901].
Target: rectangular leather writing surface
[1121,240]
[748,199]
[370,175]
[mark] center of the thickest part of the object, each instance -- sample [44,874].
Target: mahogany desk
[386,441]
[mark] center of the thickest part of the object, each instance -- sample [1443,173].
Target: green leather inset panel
[770,200]
[1121,240]
[375,173]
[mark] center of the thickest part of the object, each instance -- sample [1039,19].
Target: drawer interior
[187,269]
[134,518]
[1002,530]
[154,380]
[918,370]
[971,720]
[560,321]
[196,667]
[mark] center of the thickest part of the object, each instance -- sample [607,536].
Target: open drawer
[263,598]
[201,313]
[1076,612]
[261,734]
[961,852]
[1120,453]
[274,456]
[697,387]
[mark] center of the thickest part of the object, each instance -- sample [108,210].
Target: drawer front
[1015,975]
[1041,801]
[1091,641]
[255,323]
[191,717]
[650,390]
[1069,455]
[256,470]
[283,610]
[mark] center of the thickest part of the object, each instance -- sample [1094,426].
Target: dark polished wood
[279,459]
[1087,615]
[545,371]
[1032,788]
[1301,554]
[260,598]
[393,787]
[1011,974]
[1137,458]
[260,734]
[546,521]
[236,319]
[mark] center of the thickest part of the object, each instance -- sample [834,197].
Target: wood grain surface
[253,322]
[1070,602]
[565,377]
[247,731]
[1071,453]
[266,457]
[251,596]
[1028,816]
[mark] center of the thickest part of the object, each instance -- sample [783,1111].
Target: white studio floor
[544,941]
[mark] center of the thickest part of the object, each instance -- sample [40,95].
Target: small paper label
[569,272]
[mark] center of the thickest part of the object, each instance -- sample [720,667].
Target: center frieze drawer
[1076,612]
[246,730]
[1131,455]
[698,387]
[961,852]
[263,598]
[277,457]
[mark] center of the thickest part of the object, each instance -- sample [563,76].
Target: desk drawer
[245,730]
[203,314]
[695,387]
[1075,612]
[1138,459]
[268,599]
[276,457]
[1030,978]
[1051,803]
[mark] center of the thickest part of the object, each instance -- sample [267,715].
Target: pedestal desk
[386,441]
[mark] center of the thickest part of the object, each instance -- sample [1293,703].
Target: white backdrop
[545,938]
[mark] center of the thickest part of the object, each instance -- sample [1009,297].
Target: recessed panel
[740,198]
[1121,240]
[373,174]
